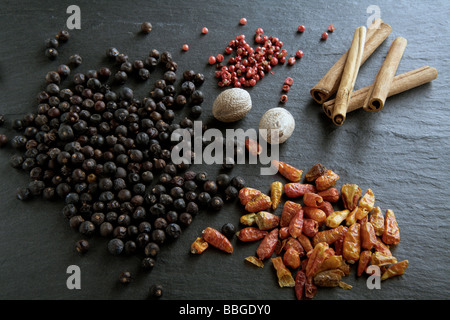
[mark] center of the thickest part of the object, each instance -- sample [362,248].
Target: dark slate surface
[402,153]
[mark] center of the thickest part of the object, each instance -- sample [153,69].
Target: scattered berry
[283,98]
[289,81]
[205,30]
[291,61]
[259,31]
[331,28]
[299,54]
[212,60]
[301,28]
[185,47]
[243,21]
[324,36]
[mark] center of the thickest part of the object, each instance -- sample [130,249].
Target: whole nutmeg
[279,119]
[232,105]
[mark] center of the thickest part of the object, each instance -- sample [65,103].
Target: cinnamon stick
[401,83]
[380,88]
[377,32]
[349,75]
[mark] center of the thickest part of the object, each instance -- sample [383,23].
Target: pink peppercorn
[301,28]
[185,47]
[291,61]
[330,28]
[289,81]
[219,58]
[324,36]
[243,21]
[212,60]
[283,98]
[299,54]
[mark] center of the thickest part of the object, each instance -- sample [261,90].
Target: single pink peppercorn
[185,47]
[299,54]
[205,30]
[324,36]
[212,60]
[301,28]
[243,21]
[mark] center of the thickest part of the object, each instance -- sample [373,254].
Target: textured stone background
[402,153]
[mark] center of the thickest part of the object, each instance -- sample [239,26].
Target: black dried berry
[228,230]
[216,203]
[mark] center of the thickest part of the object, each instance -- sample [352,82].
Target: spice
[276,190]
[249,234]
[285,278]
[243,21]
[277,125]
[288,171]
[216,239]
[232,105]
[146,27]
[324,36]
[301,28]
[205,30]
[395,270]
[199,245]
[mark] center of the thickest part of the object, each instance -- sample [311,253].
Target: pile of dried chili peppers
[311,244]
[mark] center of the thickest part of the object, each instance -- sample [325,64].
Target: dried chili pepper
[250,234]
[296,245]
[391,234]
[276,190]
[327,180]
[316,171]
[326,207]
[351,217]
[217,239]
[381,247]
[331,278]
[364,259]
[300,280]
[365,204]
[310,227]
[395,270]
[330,194]
[248,219]
[368,236]
[352,243]
[284,233]
[255,261]
[333,262]
[380,259]
[266,220]
[288,171]
[246,194]
[320,253]
[305,242]
[259,203]
[296,224]
[198,246]
[291,258]
[336,218]
[253,146]
[339,243]
[285,278]
[290,208]
[329,236]
[296,189]
[310,288]
[267,245]
[350,194]
[312,199]
[377,220]
[315,214]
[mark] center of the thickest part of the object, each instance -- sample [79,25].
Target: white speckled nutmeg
[279,119]
[232,105]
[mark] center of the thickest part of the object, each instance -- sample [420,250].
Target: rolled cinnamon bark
[349,76]
[379,90]
[377,32]
[401,83]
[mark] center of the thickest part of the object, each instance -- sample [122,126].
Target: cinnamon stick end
[320,96]
[375,105]
[339,119]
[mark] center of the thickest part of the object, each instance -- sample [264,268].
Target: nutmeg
[232,105]
[278,119]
